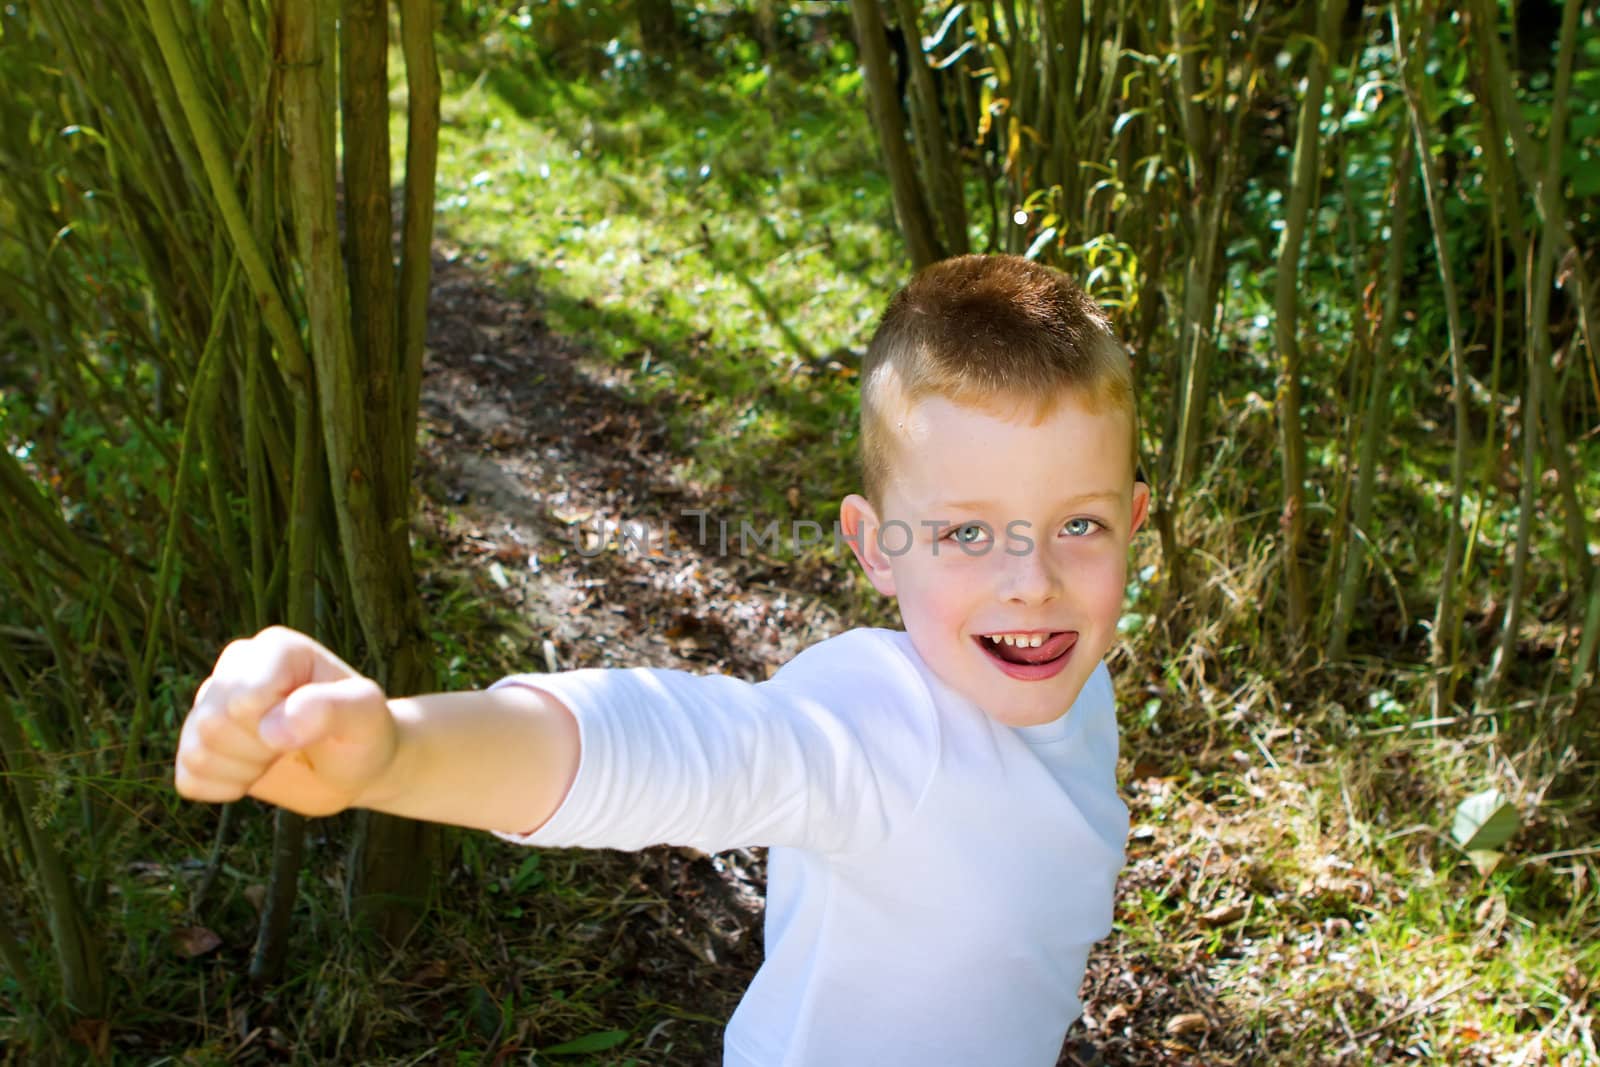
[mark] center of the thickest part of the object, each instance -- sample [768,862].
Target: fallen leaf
[1223,914]
[1486,860]
[1485,821]
[431,973]
[1116,1015]
[192,941]
[1190,1022]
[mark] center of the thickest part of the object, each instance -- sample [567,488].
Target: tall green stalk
[1374,415]
[1445,638]
[910,203]
[1286,304]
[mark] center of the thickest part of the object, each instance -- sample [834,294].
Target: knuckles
[199,762]
[210,729]
[193,787]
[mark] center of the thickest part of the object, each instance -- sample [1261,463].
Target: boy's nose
[1031,577]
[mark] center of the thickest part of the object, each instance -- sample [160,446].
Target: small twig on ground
[1415,1009]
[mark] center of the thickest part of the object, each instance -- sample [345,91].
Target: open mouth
[1031,654]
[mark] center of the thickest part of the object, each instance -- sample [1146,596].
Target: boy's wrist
[389,784]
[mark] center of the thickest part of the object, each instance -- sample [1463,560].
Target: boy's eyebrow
[1078,499]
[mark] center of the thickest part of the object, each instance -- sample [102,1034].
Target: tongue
[1053,646]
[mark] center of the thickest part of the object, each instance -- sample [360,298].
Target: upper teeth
[1019,640]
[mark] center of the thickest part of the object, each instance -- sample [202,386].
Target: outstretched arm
[282,719]
[497,759]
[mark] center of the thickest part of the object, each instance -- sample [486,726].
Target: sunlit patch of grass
[1331,940]
[721,245]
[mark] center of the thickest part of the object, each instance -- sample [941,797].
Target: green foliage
[718,248]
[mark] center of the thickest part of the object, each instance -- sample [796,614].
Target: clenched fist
[284,720]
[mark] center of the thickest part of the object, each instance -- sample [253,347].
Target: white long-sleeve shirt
[936,879]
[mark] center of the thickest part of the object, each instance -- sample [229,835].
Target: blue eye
[970,533]
[1079,527]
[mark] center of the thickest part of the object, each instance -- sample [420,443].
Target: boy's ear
[860,523]
[1141,505]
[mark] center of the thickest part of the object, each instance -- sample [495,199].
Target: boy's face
[994,526]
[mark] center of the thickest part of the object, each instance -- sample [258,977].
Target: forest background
[1349,245]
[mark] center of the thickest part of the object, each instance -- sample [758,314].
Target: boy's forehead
[920,420]
[937,440]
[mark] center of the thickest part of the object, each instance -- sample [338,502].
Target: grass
[723,243]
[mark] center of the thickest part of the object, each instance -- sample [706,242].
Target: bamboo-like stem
[1497,345]
[209,146]
[1445,638]
[288,828]
[940,169]
[1197,142]
[1511,625]
[1554,239]
[916,223]
[79,959]
[1584,668]
[416,239]
[200,898]
[1548,200]
[394,860]
[1286,303]
[368,215]
[207,377]
[1500,183]
[1375,420]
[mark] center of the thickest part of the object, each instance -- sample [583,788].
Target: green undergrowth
[720,243]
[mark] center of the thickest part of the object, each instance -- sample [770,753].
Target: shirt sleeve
[824,756]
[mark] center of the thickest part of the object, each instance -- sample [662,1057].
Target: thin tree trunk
[1583,664]
[1286,301]
[220,177]
[1511,626]
[1501,185]
[416,240]
[288,828]
[1445,638]
[393,859]
[78,955]
[368,217]
[1546,188]
[1553,240]
[1375,420]
[941,169]
[916,224]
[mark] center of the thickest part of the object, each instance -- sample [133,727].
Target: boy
[940,802]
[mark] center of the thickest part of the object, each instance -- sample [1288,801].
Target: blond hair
[987,331]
